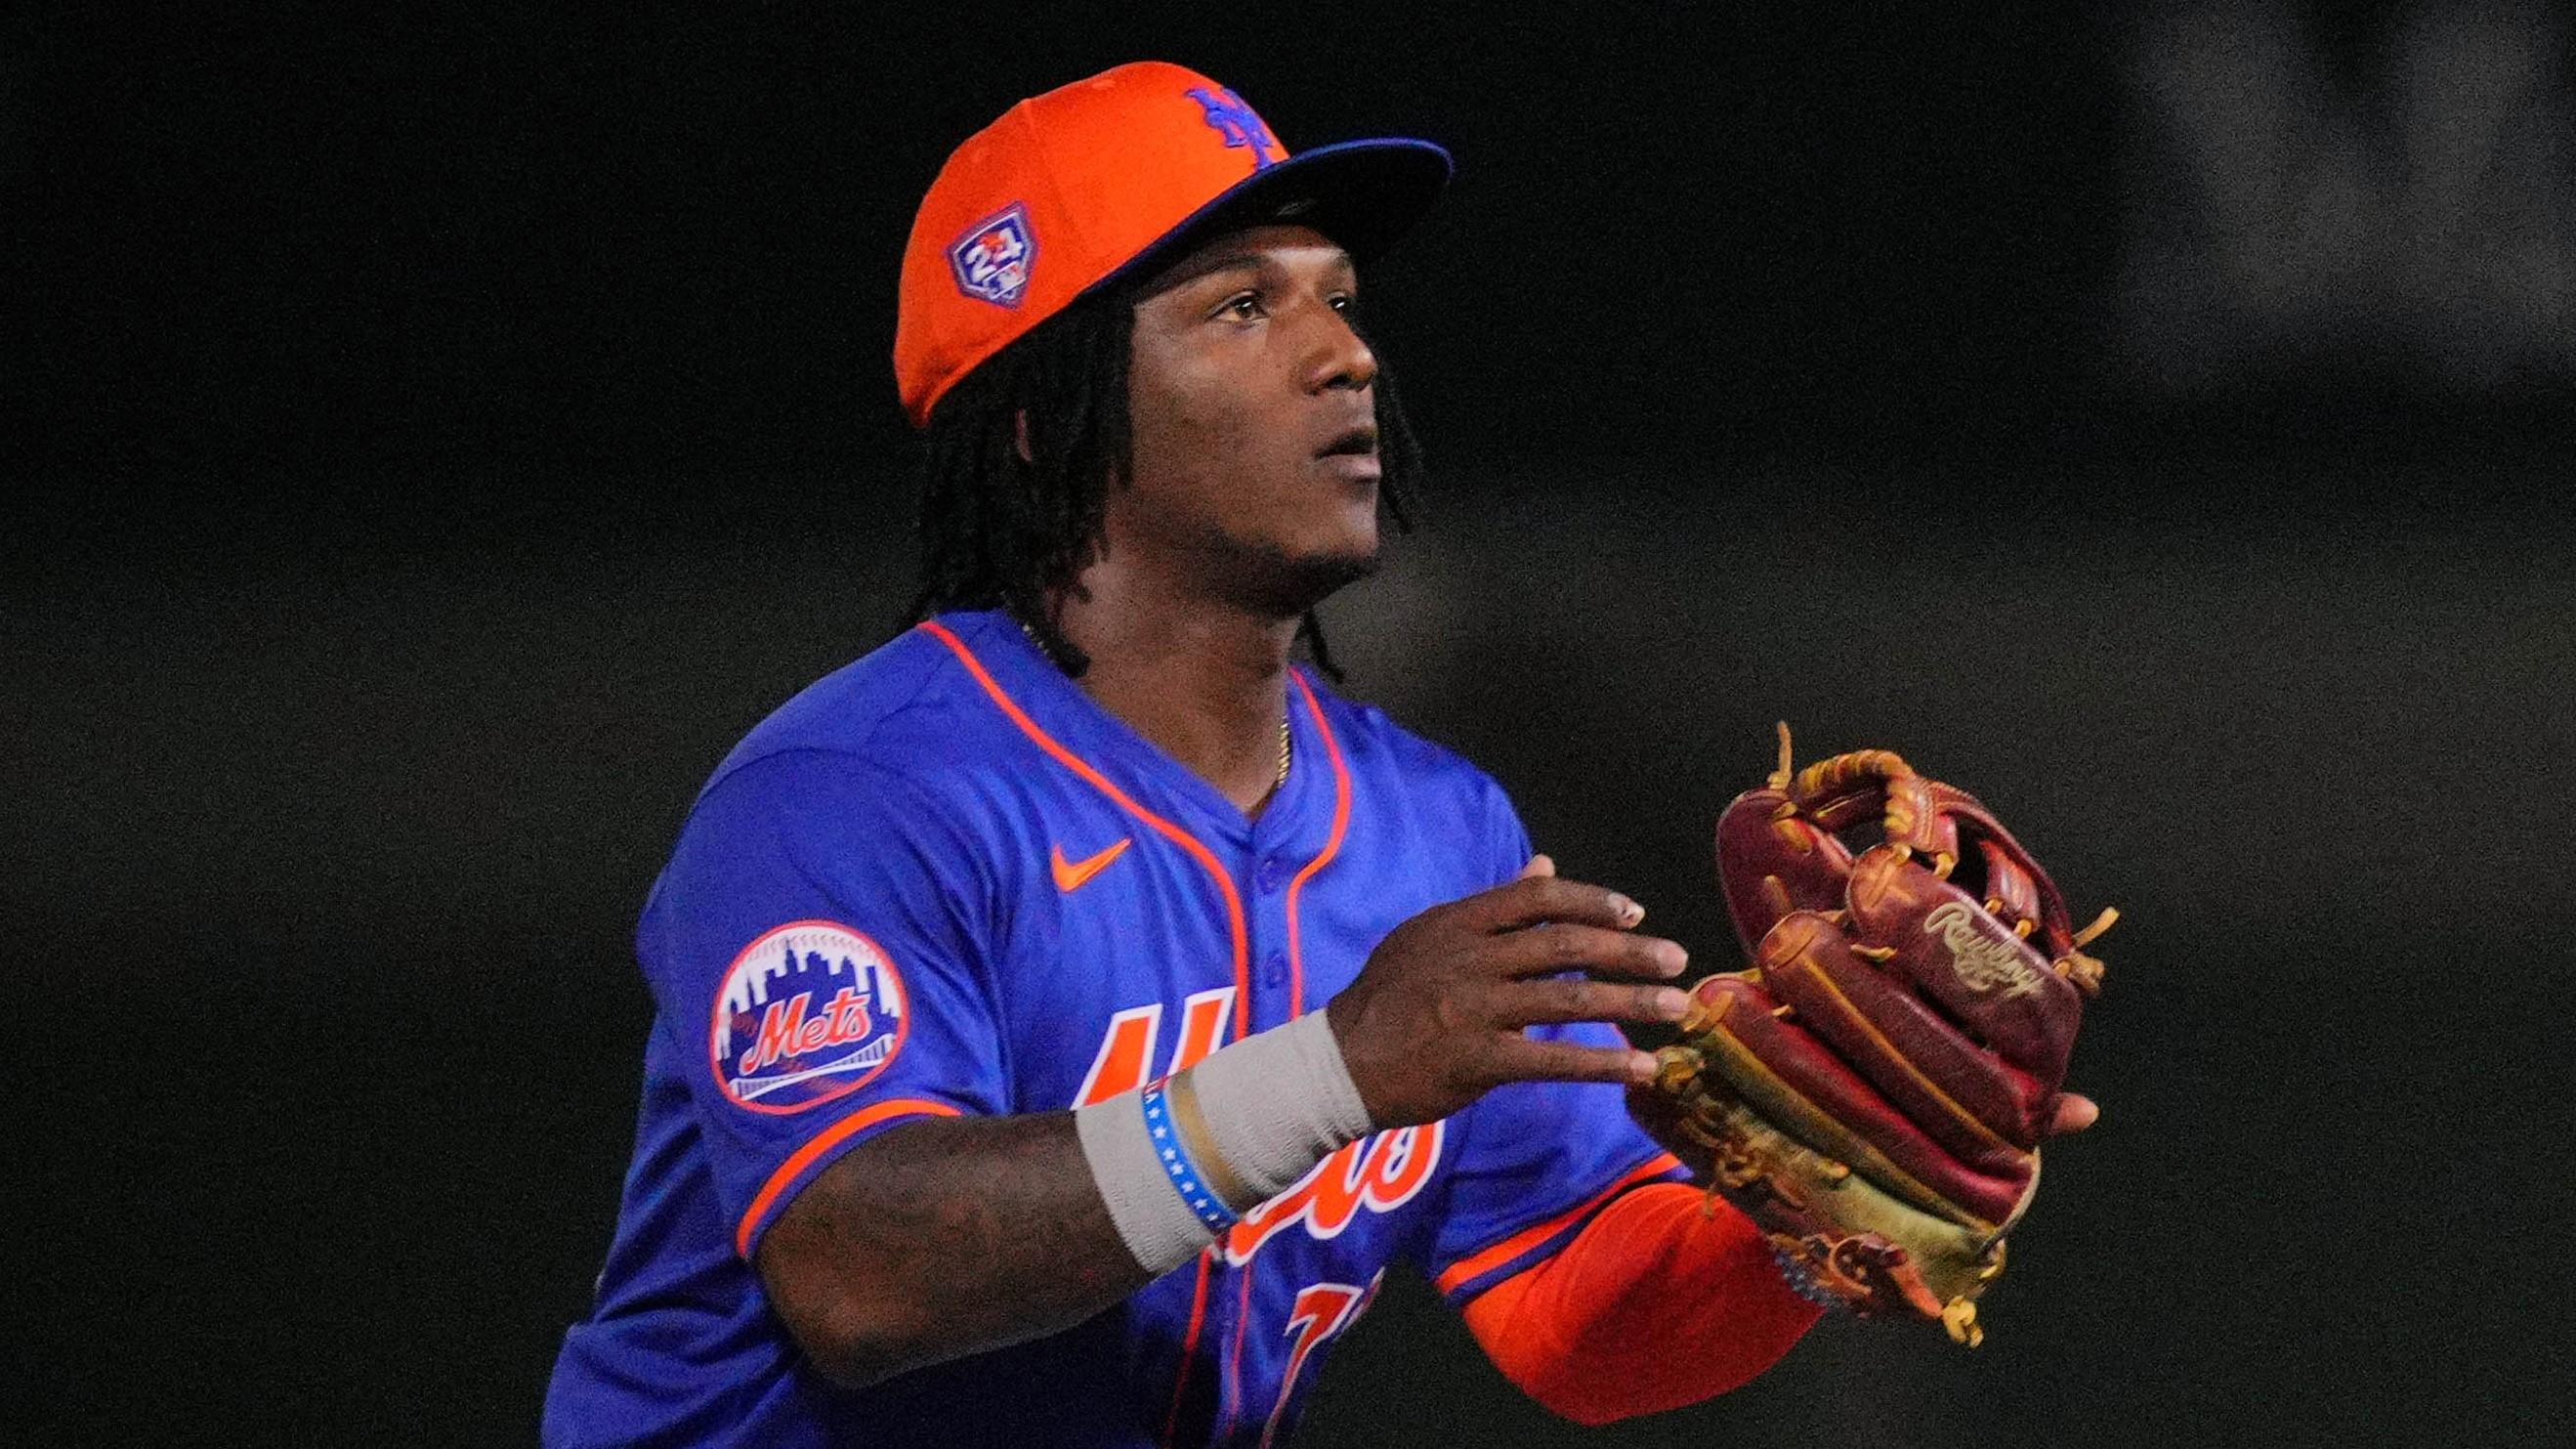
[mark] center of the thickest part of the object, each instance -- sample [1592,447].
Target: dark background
[433,436]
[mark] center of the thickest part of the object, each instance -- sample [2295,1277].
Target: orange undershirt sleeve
[1654,1305]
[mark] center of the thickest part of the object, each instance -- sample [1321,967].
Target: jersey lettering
[1127,1047]
[1380,1172]
[1203,1019]
[1124,1050]
[1321,1311]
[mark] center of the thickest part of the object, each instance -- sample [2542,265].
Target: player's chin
[1342,524]
[1287,581]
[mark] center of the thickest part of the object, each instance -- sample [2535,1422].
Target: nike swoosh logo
[1071,876]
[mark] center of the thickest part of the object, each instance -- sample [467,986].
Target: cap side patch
[992,260]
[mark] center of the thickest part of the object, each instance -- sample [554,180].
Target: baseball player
[1069,1013]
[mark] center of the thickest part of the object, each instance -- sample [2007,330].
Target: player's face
[1254,451]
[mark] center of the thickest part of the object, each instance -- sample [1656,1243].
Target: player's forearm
[953,1236]
[943,1238]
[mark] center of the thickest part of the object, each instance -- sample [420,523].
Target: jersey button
[1274,972]
[1268,875]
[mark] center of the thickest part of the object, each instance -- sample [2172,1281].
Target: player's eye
[1241,307]
[1345,303]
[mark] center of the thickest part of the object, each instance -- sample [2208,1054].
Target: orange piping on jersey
[1234,1356]
[1100,782]
[858,1121]
[1296,984]
[1189,1346]
[1332,844]
[1486,1259]
[1236,932]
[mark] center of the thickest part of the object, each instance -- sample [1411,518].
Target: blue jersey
[944,881]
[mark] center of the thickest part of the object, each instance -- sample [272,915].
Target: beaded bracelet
[1802,1280]
[1185,1175]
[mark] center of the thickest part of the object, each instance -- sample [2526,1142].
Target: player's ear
[1020,437]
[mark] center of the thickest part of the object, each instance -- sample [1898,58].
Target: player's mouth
[1353,454]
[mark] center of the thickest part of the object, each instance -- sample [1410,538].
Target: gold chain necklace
[1287,751]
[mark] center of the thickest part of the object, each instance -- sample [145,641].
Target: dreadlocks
[1000,530]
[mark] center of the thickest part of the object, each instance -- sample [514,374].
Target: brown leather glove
[1873,1091]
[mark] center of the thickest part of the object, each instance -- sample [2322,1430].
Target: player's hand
[1434,1020]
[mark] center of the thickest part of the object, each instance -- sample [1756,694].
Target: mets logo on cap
[992,259]
[810,1011]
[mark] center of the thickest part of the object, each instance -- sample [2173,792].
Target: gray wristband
[1278,1102]
[1159,1229]
[1275,1104]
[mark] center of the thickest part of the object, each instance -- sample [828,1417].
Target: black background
[433,436]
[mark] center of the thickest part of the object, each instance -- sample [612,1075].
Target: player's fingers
[1536,898]
[1573,998]
[1558,946]
[1519,1059]
[2075,1112]
[1538,865]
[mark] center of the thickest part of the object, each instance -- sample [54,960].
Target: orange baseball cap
[1108,178]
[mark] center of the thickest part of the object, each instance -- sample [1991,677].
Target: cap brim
[1362,194]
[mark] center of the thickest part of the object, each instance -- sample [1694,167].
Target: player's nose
[1342,357]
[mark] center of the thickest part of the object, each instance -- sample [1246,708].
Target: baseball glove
[1872,1093]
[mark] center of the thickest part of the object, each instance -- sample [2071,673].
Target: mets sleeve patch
[808,1013]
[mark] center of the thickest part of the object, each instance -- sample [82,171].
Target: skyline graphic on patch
[991,261]
[810,1011]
